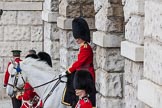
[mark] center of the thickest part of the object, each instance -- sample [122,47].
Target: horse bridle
[14,85]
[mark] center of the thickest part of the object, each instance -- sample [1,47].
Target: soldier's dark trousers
[16,103]
[70,96]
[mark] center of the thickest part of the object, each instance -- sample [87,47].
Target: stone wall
[21,27]
[51,41]
[132,49]
[110,64]
[142,52]
[151,81]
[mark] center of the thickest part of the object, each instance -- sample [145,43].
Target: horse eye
[12,76]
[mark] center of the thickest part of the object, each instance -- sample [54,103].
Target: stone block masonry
[51,39]
[110,64]
[132,51]
[32,6]
[21,27]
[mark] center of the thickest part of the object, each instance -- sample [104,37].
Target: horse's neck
[37,74]
[36,80]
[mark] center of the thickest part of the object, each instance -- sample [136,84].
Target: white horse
[37,73]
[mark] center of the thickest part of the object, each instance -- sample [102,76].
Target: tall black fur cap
[80,29]
[84,81]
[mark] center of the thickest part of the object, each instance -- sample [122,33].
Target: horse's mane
[36,63]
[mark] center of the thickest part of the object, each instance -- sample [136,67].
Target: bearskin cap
[84,81]
[80,29]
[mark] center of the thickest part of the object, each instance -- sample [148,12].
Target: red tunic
[6,76]
[84,61]
[28,95]
[84,103]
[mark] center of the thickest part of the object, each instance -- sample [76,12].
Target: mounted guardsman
[16,59]
[84,61]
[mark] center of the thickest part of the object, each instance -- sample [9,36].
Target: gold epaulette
[85,45]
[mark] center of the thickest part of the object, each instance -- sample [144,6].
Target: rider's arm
[83,55]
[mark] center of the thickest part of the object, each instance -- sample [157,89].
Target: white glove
[63,74]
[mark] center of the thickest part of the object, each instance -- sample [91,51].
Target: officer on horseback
[81,34]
